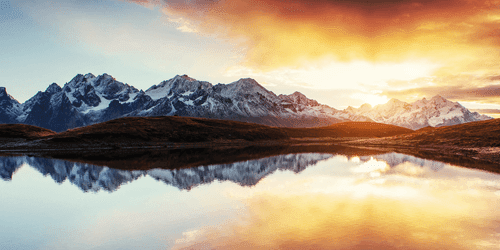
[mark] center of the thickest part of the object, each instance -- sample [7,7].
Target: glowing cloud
[280,33]
[324,44]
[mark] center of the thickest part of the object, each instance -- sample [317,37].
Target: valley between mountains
[98,118]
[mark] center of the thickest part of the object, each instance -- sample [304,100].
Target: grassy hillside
[474,144]
[472,134]
[349,129]
[171,129]
[187,129]
[22,131]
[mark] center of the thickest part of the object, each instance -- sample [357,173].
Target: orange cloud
[283,33]
[480,89]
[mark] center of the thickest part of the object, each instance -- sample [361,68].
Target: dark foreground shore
[177,142]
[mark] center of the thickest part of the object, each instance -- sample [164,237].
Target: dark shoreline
[136,139]
[181,155]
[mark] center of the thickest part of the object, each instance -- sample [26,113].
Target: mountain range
[89,99]
[435,112]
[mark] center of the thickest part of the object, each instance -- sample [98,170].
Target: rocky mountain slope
[435,112]
[89,99]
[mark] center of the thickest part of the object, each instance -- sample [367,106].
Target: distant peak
[4,95]
[297,93]
[394,100]
[366,106]
[185,77]
[106,77]
[248,81]
[439,98]
[89,75]
[350,109]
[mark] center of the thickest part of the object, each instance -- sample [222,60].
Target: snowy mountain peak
[437,111]
[3,92]
[365,107]
[53,88]
[4,96]
[10,108]
[186,77]
[440,100]
[420,103]
[248,83]
[395,102]
[245,86]
[175,86]
[298,98]
[89,99]
[107,76]
[350,109]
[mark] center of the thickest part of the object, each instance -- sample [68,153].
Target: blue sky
[325,49]
[45,42]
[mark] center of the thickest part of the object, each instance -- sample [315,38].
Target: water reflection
[389,201]
[94,178]
[319,201]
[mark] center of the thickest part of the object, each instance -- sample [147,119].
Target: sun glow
[330,74]
[372,99]
[365,211]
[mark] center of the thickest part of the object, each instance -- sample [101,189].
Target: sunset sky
[338,52]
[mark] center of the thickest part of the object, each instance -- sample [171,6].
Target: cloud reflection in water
[388,201]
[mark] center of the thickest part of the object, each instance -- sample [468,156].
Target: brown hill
[22,131]
[144,158]
[473,144]
[136,133]
[349,129]
[170,129]
[187,129]
[472,134]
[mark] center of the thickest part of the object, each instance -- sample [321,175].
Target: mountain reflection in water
[94,178]
[325,201]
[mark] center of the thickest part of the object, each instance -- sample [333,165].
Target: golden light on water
[333,222]
[368,211]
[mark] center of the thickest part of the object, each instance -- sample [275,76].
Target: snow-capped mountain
[10,108]
[243,100]
[435,112]
[89,99]
[94,178]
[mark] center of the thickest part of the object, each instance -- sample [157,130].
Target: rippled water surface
[294,201]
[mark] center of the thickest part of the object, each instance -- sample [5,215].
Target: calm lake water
[294,201]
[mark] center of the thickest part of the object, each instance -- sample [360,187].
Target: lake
[289,201]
